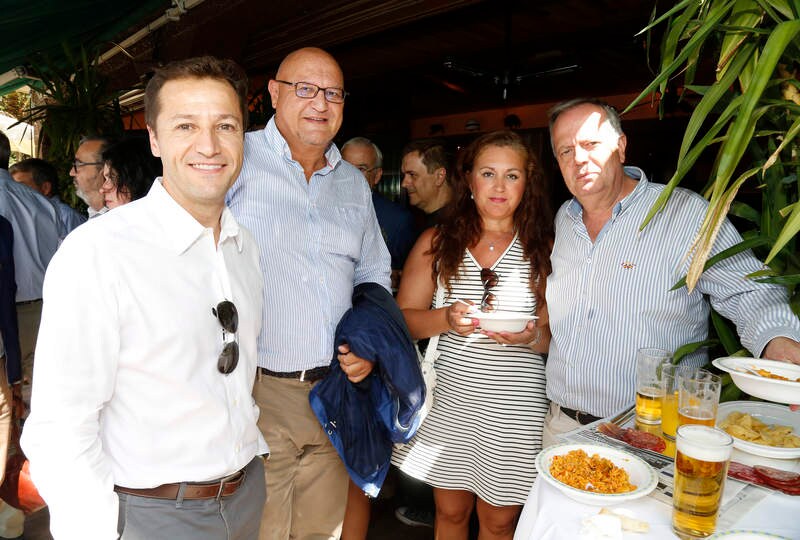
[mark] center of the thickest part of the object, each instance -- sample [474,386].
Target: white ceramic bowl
[640,473]
[763,387]
[769,413]
[502,321]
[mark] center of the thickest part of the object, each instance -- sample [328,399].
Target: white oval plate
[640,473]
[746,535]
[769,413]
[502,321]
[763,387]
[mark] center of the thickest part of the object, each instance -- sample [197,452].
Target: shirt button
[588,260]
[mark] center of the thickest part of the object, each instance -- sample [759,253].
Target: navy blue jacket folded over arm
[364,420]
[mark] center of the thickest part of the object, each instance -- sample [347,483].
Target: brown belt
[307,375]
[223,487]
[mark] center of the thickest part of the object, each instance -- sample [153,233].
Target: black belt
[26,302]
[581,417]
[307,375]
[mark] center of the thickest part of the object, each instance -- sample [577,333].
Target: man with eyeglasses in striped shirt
[609,292]
[311,213]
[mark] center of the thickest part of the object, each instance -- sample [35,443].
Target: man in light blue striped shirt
[609,292]
[312,216]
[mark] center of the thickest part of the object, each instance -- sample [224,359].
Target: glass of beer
[701,464]
[649,362]
[669,402]
[698,397]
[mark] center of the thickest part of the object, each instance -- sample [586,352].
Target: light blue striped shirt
[318,240]
[609,298]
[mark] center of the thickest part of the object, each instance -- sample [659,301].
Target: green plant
[748,113]
[75,100]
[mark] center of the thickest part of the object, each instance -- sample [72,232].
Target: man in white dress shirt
[142,421]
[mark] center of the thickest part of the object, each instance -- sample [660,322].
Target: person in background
[42,176]
[610,290]
[426,178]
[129,169]
[143,424]
[12,520]
[491,250]
[311,213]
[37,233]
[397,223]
[87,173]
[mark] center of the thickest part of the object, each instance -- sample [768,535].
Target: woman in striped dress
[478,443]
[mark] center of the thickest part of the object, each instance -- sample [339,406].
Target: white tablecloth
[550,515]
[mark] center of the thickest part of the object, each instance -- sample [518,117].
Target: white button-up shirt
[127,388]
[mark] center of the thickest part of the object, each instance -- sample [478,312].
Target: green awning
[29,27]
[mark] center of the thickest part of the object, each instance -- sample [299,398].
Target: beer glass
[701,464]
[669,402]
[698,397]
[649,362]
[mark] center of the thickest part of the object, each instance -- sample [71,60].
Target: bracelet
[537,339]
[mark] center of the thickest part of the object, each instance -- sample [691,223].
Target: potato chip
[751,429]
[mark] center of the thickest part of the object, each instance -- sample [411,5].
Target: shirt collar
[182,230]
[274,138]
[575,210]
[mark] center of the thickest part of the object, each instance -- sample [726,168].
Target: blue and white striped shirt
[318,239]
[609,298]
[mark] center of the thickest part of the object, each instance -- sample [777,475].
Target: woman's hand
[458,317]
[530,335]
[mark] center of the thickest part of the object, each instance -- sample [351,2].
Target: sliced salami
[743,472]
[778,478]
[642,439]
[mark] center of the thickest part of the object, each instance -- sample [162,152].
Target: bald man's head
[308,123]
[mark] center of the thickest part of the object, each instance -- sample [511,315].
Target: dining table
[549,514]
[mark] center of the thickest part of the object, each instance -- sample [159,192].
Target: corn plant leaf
[715,216]
[744,18]
[729,392]
[784,7]
[678,7]
[790,229]
[744,123]
[745,211]
[791,133]
[787,280]
[670,43]
[712,96]
[689,348]
[727,335]
[744,245]
[715,15]
[768,9]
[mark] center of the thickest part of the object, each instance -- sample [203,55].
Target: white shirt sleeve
[76,363]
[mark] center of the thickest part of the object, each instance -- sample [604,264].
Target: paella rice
[596,474]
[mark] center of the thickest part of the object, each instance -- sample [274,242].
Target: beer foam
[704,443]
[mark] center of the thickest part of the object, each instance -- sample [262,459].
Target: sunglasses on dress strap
[228,318]
[489,280]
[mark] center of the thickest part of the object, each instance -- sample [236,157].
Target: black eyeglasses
[77,164]
[489,280]
[307,90]
[228,318]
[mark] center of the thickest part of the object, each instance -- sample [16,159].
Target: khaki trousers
[29,316]
[306,480]
[556,423]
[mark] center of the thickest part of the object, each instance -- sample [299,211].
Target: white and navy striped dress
[485,428]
